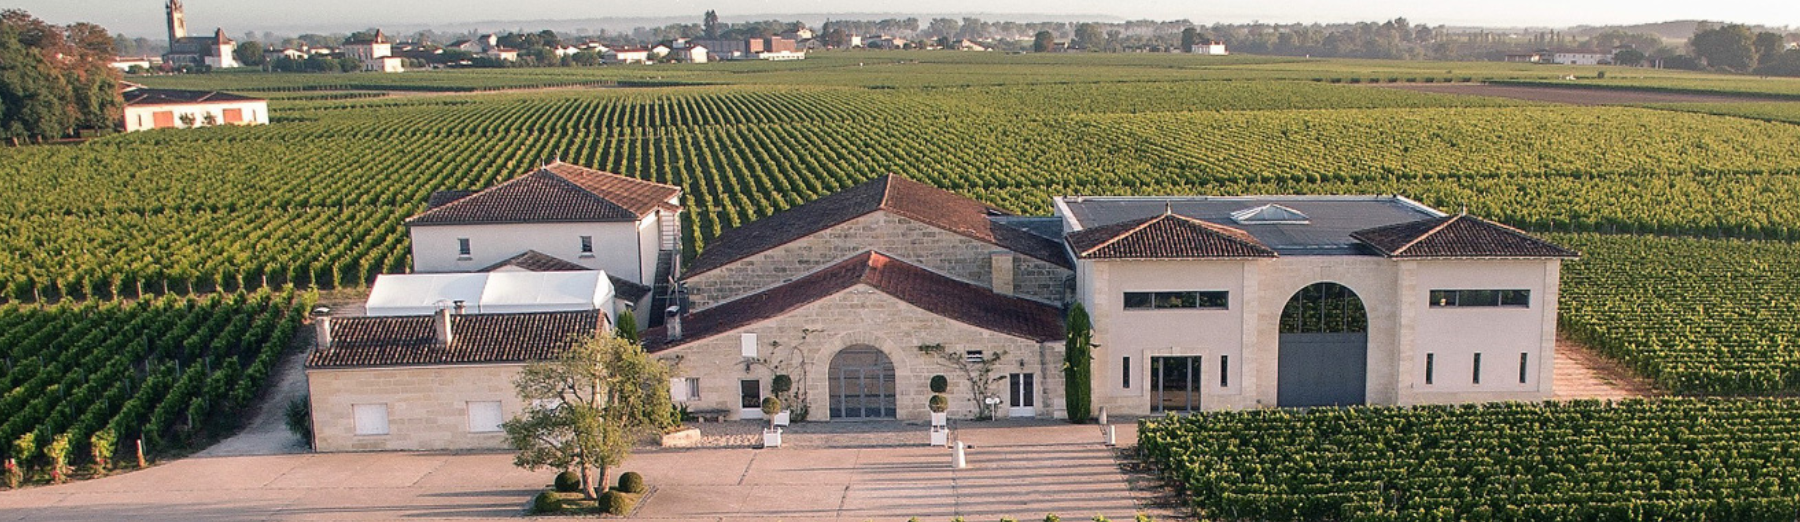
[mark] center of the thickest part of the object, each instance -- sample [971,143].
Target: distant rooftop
[1291,225]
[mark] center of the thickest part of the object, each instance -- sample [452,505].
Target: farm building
[1579,56]
[1204,303]
[147,108]
[1212,48]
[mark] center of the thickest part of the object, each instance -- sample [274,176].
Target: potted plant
[772,434]
[938,403]
[781,384]
[940,433]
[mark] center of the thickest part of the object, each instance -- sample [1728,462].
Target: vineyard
[165,370]
[1675,459]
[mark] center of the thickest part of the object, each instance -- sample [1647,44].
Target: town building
[692,54]
[624,55]
[147,108]
[215,51]
[1211,48]
[375,52]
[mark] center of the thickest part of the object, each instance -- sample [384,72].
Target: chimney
[672,323]
[459,306]
[1003,271]
[322,328]
[441,327]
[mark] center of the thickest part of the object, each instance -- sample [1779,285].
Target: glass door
[751,404]
[1022,395]
[1175,383]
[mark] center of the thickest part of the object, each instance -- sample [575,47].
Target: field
[1688,214]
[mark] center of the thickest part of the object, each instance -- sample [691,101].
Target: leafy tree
[1629,58]
[1189,38]
[1768,46]
[1785,64]
[1043,42]
[1078,364]
[249,53]
[710,24]
[837,39]
[1729,47]
[55,79]
[943,27]
[1090,36]
[626,326]
[588,407]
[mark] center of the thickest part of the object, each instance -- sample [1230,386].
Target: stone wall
[905,239]
[427,406]
[802,343]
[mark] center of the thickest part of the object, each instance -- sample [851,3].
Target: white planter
[940,419]
[781,419]
[772,438]
[940,437]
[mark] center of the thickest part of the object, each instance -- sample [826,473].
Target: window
[371,419]
[974,357]
[1477,367]
[462,247]
[1224,371]
[1212,300]
[1430,361]
[485,416]
[683,389]
[1473,298]
[587,245]
[1522,358]
[1126,373]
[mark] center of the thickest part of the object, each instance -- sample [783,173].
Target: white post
[1103,415]
[1112,436]
[957,459]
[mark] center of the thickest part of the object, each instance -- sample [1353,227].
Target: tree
[1768,46]
[1784,64]
[1090,36]
[1629,58]
[837,39]
[1189,38]
[1729,47]
[1078,364]
[626,326]
[249,53]
[710,24]
[1043,42]
[943,27]
[585,409]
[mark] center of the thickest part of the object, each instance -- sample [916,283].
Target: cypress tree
[1078,360]
[626,327]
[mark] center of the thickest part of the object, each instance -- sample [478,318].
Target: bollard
[1112,436]
[958,459]
[1103,415]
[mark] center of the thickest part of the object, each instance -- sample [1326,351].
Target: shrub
[781,384]
[632,482]
[771,406]
[1051,517]
[568,482]
[299,419]
[938,404]
[546,502]
[616,503]
[939,384]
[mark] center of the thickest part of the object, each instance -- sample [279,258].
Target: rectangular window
[1210,300]
[1480,298]
[485,416]
[371,419]
[587,244]
[1477,367]
[1430,361]
[1125,375]
[974,356]
[1224,371]
[1522,366]
[462,247]
[684,389]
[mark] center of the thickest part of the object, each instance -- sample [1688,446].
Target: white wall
[618,249]
[143,117]
[1454,334]
[1141,334]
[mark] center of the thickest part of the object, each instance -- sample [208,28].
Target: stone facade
[940,250]
[427,407]
[862,316]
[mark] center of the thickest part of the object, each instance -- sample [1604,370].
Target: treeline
[55,80]
[1734,48]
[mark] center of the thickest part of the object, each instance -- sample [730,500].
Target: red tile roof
[966,303]
[558,192]
[1166,236]
[535,261]
[1460,235]
[477,338]
[891,193]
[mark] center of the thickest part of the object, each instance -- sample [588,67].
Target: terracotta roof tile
[892,193]
[1166,236]
[558,192]
[1458,235]
[478,338]
[969,304]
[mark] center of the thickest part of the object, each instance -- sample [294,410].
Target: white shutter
[371,419]
[749,345]
[678,389]
[484,416]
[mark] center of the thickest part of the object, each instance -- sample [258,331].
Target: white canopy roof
[491,292]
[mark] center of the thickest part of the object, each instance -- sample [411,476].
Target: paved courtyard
[1019,470]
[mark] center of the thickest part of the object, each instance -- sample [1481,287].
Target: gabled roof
[480,338]
[1459,235]
[148,96]
[535,261]
[558,192]
[1168,236]
[892,193]
[966,303]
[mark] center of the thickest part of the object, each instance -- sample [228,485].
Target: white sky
[144,17]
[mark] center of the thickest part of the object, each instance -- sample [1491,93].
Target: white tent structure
[491,292]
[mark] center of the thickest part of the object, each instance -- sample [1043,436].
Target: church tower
[177,22]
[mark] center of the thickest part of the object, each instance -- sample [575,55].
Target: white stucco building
[1581,57]
[147,108]
[1207,303]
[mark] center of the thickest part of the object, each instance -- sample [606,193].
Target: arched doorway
[862,384]
[1324,359]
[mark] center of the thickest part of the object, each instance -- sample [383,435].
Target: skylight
[1270,214]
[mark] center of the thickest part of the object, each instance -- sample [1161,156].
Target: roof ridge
[1230,232]
[559,161]
[1122,235]
[1421,237]
[577,186]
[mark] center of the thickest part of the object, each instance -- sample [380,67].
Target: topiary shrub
[938,404]
[568,482]
[939,384]
[546,502]
[781,384]
[616,503]
[771,406]
[632,482]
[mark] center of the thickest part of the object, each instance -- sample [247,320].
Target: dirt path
[267,432]
[1572,95]
[1583,374]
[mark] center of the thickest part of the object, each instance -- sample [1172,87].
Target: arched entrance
[862,384]
[1324,359]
